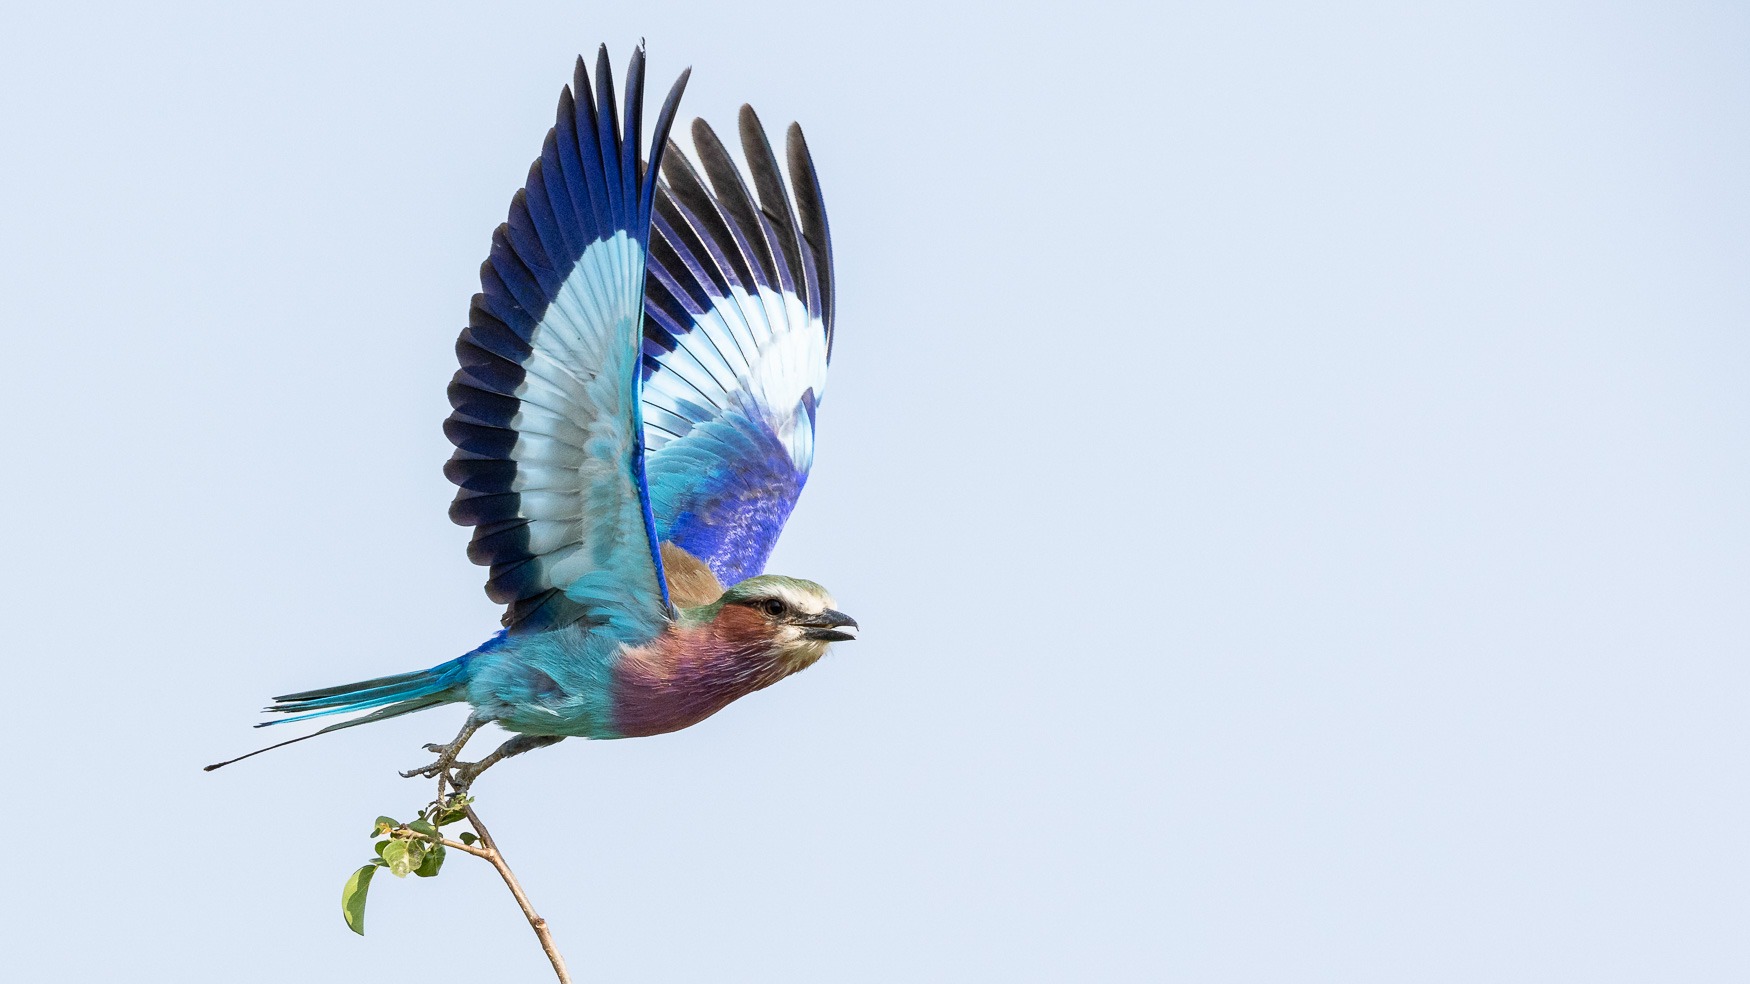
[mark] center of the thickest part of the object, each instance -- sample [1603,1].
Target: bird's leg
[464,773]
[446,753]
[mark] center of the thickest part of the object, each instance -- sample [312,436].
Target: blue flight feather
[735,347]
[527,419]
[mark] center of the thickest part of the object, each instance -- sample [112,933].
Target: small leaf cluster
[412,848]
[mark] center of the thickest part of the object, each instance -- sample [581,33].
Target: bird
[633,420]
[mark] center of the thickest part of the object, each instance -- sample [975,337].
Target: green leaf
[423,827]
[452,810]
[467,838]
[384,846]
[416,852]
[403,856]
[384,825]
[352,898]
[434,859]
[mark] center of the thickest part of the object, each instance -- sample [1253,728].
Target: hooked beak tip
[833,626]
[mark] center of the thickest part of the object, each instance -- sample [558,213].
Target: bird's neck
[695,669]
[727,659]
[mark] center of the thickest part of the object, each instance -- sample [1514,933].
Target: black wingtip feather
[811,212]
[588,182]
[704,222]
[630,150]
[608,131]
[774,200]
[737,205]
[659,138]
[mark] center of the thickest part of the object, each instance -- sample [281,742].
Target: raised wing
[739,305]
[547,423]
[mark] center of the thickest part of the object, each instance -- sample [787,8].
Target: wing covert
[738,333]
[547,418]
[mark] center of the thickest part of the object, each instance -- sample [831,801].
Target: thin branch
[455,845]
[485,847]
[489,850]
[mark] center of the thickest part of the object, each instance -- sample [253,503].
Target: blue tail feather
[369,694]
[384,697]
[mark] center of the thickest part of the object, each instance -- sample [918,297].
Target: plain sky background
[1291,463]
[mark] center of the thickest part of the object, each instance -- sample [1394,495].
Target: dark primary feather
[774,200]
[587,185]
[811,210]
[694,208]
[736,282]
[732,198]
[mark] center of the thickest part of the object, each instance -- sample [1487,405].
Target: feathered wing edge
[737,281]
[488,352]
[811,212]
[710,242]
[587,187]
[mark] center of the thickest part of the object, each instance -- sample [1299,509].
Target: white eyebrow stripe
[805,601]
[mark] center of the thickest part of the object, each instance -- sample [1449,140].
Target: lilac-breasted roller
[633,420]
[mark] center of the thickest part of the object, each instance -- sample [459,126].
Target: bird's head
[793,619]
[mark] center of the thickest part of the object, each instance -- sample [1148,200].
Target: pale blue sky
[1290,462]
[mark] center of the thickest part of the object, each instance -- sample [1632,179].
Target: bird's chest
[567,683]
[654,696]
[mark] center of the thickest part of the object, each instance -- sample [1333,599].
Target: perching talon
[446,756]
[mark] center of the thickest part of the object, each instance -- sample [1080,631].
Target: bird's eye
[772,607]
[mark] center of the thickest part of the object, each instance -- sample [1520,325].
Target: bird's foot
[463,774]
[446,760]
[446,757]
[431,771]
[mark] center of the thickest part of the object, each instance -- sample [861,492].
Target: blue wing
[547,423]
[739,298]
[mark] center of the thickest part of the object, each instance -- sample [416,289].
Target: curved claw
[463,774]
[446,757]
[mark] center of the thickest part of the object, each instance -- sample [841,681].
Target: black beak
[828,626]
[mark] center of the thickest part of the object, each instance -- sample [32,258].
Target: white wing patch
[758,354]
[575,440]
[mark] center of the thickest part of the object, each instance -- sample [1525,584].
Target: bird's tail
[384,697]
